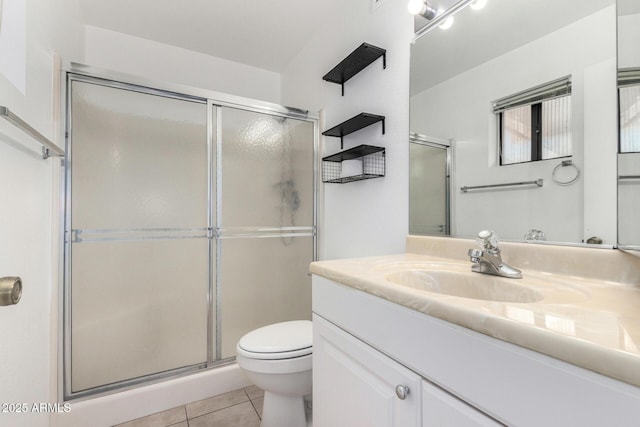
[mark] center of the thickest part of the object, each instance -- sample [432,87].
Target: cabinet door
[354,385]
[440,409]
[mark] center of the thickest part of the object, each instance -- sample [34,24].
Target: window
[535,124]
[629,107]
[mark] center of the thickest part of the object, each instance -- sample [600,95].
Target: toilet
[277,358]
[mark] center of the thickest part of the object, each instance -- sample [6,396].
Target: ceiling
[264,34]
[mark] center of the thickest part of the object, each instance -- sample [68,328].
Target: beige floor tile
[241,415]
[258,404]
[182,424]
[254,392]
[216,403]
[160,419]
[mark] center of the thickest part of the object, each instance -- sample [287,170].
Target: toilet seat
[284,340]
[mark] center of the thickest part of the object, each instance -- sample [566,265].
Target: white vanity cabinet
[441,409]
[365,346]
[356,385]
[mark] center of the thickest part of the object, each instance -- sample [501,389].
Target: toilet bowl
[277,358]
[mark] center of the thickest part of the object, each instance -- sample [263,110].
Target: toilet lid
[286,337]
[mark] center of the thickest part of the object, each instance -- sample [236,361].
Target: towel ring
[563,164]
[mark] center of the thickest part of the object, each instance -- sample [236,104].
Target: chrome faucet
[488,260]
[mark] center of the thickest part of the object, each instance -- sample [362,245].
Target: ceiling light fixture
[422,8]
[440,18]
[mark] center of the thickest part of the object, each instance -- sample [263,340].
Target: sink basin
[466,285]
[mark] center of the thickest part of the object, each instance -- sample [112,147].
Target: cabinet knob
[402,391]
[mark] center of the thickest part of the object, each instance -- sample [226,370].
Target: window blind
[629,108]
[534,95]
[556,128]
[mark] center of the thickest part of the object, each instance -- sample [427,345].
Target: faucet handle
[474,255]
[488,241]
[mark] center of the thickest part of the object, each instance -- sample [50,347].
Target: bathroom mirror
[629,147]
[508,47]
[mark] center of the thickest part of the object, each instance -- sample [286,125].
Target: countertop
[591,323]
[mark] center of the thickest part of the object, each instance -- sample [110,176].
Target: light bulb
[422,8]
[415,6]
[447,23]
[478,4]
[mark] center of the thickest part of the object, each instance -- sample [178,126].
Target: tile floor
[239,408]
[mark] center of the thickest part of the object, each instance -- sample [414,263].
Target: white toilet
[277,358]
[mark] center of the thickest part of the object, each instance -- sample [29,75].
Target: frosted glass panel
[427,190]
[139,160]
[556,128]
[267,162]
[263,281]
[516,135]
[144,191]
[630,119]
[138,308]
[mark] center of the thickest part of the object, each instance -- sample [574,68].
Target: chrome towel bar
[47,145]
[538,182]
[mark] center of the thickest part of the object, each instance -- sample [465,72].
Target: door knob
[10,290]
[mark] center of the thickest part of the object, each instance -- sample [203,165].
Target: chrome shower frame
[214,232]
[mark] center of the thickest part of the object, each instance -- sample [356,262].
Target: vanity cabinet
[441,409]
[364,346]
[356,385]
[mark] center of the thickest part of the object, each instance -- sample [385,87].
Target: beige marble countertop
[585,319]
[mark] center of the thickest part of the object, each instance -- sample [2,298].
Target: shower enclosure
[429,185]
[189,221]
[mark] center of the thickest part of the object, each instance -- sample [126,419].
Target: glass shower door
[138,232]
[265,222]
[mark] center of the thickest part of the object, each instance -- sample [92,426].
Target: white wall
[460,108]
[28,333]
[160,62]
[365,217]
[629,36]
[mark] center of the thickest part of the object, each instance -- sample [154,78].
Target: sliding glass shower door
[187,225]
[266,217]
[139,247]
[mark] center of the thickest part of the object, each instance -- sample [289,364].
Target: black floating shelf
[355,123]
[372,164]
[357,61]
